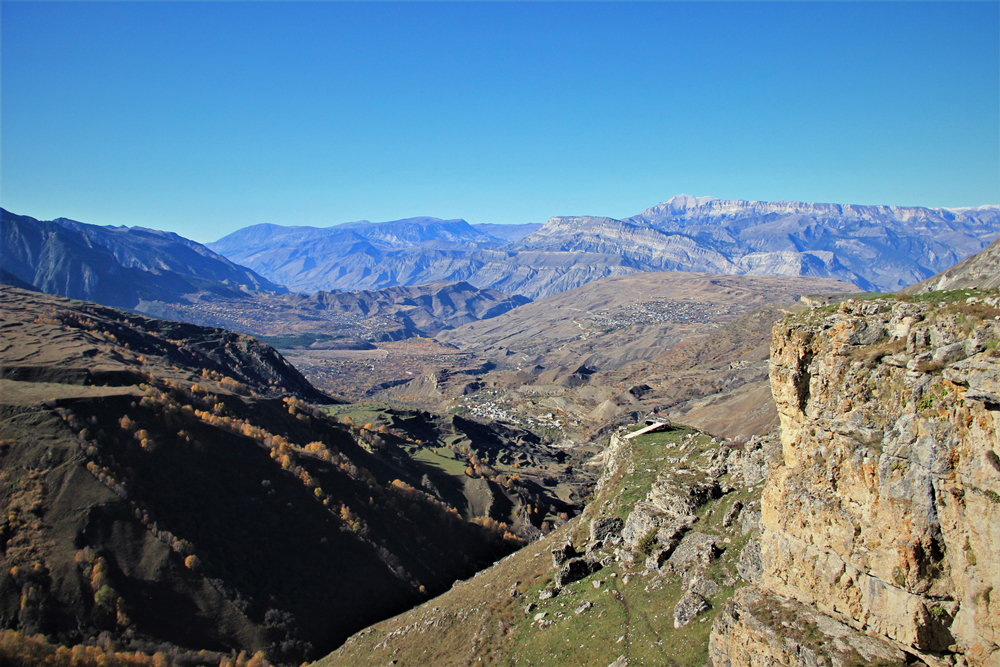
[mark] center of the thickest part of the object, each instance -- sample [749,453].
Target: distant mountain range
[165,275]
[117,266]
[509,232]
[363,255]
[880,248]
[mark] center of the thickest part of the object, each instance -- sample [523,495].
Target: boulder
[604,528]
[657,559]
[576,569]
[688,609]
[646,518]
[732,514]
[706,588]
[563,554]
[695,549]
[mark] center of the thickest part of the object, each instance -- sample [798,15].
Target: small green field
[441,458]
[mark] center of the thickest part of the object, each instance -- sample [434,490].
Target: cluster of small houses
[658,312]
[489,410]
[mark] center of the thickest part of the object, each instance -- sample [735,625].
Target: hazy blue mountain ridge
[889,246]
[508,232]
[981,271]
[874,247]
[117,266]
[406,233]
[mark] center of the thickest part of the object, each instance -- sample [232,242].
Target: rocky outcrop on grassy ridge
[885,513]
[637,579]
[701,507]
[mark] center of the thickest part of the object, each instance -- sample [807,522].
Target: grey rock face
[645,518]
[576,569]
[949,353]
[704,587]
[603,528]
[751,464]
[681,498]
[756,627]
[689,607]
[749,520]
[980,376]
[749,566]
[841,504]
[670,505]
[695,548]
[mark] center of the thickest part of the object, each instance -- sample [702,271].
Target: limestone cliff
[885,514]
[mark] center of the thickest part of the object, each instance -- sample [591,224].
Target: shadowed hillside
[117,266]
[176,485]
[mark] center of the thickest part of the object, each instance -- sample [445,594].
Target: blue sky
[203,118]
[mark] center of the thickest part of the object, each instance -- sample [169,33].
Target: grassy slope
[630,613]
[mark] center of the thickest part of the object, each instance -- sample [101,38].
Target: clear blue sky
[203,118]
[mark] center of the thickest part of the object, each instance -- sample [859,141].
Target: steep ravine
[881,528]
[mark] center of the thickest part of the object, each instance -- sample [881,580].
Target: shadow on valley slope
[174,485]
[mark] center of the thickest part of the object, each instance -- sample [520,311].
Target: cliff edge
[881,526]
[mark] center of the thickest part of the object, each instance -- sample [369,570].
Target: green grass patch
[441,458]
[634,619]
[648,455]
[948,296]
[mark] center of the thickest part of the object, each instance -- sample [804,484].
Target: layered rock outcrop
[885,514]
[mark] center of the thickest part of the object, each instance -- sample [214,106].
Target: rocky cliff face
[884,518]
